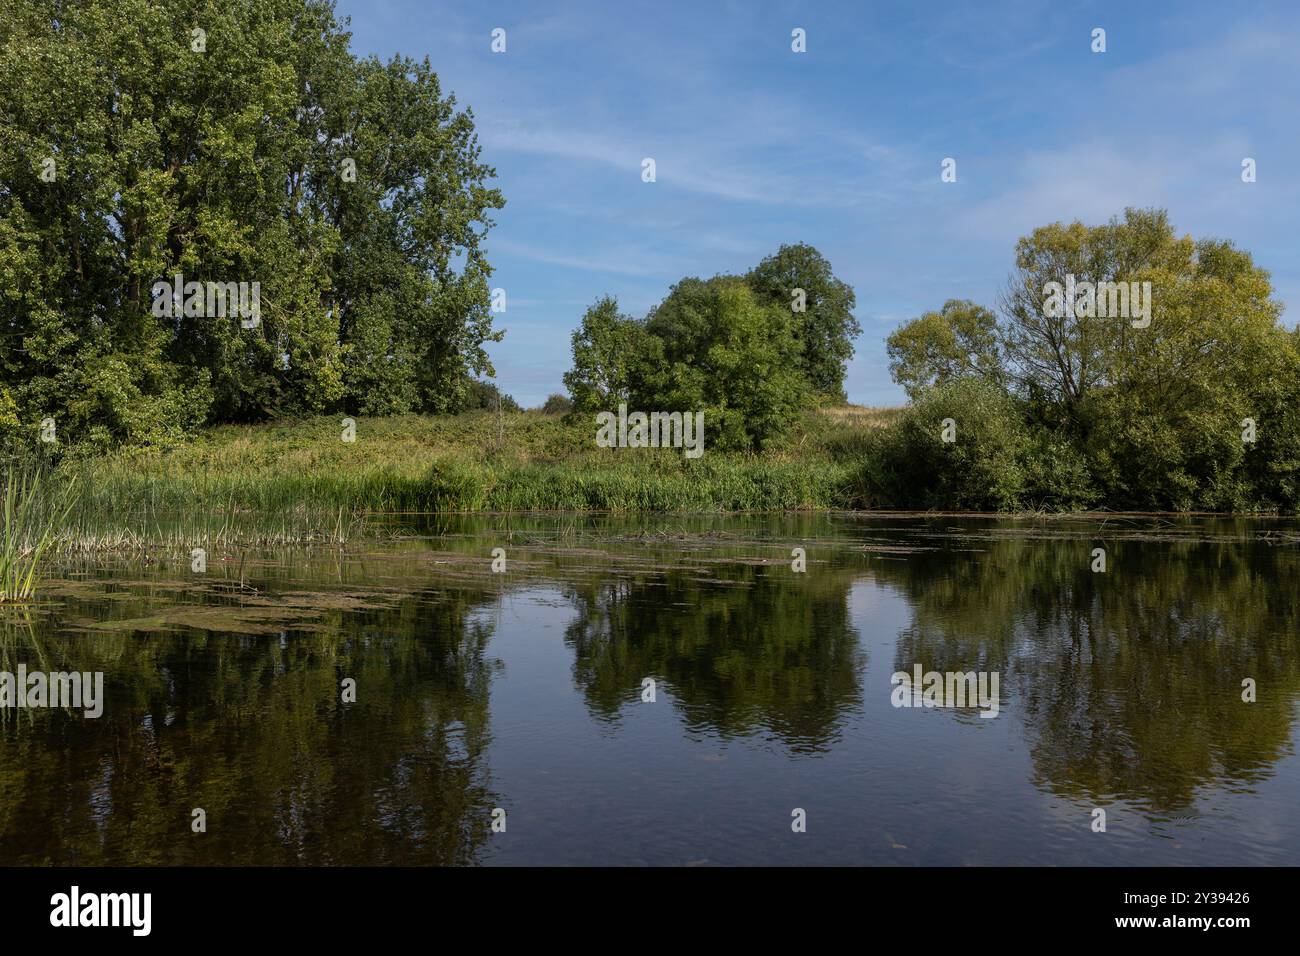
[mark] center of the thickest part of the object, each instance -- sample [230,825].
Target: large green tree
[750,351]
[1183,397]
[229,142]
[610,353]
[1158,400]
[958,341]
[798,278]
[724,351]
[1210,307]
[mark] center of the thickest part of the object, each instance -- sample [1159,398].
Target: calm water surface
[523,691]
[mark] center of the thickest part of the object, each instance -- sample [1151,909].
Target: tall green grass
[294,482]
[35,509]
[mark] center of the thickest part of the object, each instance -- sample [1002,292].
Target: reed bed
[300,483]
[35,508]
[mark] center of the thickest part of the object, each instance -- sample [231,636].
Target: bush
[10,425]
[981,470]
[1057,474]
[557,404]
[1272,463]
[486,395]
[1150,457]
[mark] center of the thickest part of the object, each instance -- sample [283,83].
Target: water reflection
[253,730]
[761,650]
[1128,682]
[1119,689]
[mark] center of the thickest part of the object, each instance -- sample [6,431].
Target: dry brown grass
[863,416]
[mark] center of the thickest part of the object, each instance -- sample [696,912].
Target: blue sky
[841,146]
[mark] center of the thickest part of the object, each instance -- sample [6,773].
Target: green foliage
[1058,476]
[1212,312]
[958,341]
[610,351]
[1164,425]
[33,513]
[228,165]
[296,482]
[1061,356]
[10,425]
[825,325]
[486,395]
[1145,416]
[750,352]
[729,355]
[981,470]
[557,404]
[1272,462]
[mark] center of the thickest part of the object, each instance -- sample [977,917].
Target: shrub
[1163,458]
[557,404]
[913,467]
[481,394]
[1058,476]
[1272,463]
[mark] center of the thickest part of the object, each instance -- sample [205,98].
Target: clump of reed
[35,509]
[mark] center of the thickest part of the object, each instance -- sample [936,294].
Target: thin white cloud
[631,262]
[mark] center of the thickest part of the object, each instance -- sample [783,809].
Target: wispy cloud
[624,261]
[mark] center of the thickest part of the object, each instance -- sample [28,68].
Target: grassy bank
[296,480]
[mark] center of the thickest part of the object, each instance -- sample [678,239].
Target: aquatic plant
[35,509]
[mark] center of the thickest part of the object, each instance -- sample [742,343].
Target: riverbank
[321,480]
[292,480]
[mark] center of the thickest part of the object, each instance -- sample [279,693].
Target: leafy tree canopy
[958,341]
[232,142]
[750,351]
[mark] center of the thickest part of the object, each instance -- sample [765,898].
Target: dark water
[523,691]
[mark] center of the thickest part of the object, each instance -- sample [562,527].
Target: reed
[35,511]
[298,483]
